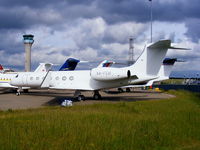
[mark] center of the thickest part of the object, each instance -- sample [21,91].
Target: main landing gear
[78,96]
[18,92]
[96,95]
[81,97]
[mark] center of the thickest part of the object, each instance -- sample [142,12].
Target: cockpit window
[16,76]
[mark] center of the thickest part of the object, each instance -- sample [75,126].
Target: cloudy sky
[95,30]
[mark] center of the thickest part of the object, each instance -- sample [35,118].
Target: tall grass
[146,125]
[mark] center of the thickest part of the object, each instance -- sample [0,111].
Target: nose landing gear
[18,92]
[96,95]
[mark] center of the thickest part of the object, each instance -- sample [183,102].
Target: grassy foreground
[159,125]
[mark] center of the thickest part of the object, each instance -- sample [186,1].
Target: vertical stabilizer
[150,61]
[1,67]
[43,67]
[167,67]
[70,64]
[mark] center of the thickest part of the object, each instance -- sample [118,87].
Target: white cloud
[15,59]
[94,39]
[121,32]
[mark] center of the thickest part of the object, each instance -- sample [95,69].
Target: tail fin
[105,63]
[1,67]
[43,67]
[167,67]
[150,61]
[70,64]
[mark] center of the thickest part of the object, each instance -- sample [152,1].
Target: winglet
[178,48]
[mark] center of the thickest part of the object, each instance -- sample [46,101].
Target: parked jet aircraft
[163,74]
[6,77]
[4,70]
[146,68]
[1,68]
[70,64]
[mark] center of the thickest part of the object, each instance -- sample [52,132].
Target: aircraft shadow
[59,99]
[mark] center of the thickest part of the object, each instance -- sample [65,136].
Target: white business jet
[6,77]
[163,74]
[146,68]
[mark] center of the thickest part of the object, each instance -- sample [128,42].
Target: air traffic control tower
[28,41]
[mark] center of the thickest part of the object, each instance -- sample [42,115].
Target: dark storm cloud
[8,43]
[193,29]
[13,19]
[139,10]
[23,18]
[27,3]
[20,15]
[15,14]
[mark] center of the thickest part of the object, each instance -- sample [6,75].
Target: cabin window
[31,78]
[71,78]
[64,78]
[37,78]
[57,78]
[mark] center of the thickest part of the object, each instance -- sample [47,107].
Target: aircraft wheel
[81,98]
[17,94]
[120,90]
[128,90]
[97,96]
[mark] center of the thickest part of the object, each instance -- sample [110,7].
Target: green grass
[143,125]
[173,81]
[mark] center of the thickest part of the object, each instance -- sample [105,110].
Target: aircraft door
[24,79]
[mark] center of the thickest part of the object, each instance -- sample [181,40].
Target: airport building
[28,41]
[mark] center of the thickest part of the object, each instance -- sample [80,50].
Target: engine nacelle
[28,79]
[106,74]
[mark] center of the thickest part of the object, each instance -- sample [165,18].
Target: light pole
[151,19]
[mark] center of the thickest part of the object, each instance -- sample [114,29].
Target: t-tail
[70,64]
[44,67]
[106,63]
[150,61]
[167,67]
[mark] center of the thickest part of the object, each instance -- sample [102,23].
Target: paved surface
[40,98]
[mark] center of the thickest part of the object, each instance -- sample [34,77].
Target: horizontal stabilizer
[179,48]
[179,60]
[171,61]
[161,44]
[165,44]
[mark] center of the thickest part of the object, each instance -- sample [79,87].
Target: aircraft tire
[17,94]
[81,98]
[120,90]
[128,90]
[97,96]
